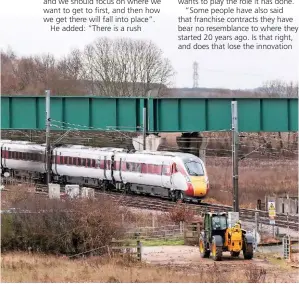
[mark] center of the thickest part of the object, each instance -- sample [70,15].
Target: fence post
[153,220]
[286,241]
[181,227]
[256,231]
[139,250]
[259,204]
[185,232]
[198,230]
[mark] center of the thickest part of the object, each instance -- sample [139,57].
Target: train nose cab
[197,179]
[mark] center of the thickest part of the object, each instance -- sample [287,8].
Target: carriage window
[129,166]
[137,168]
[150,169]
[144,168]
[102,164]
[93,163]
[79,162]
[88,164]
[84,162]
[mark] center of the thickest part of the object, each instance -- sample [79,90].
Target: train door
[119,169]
[122,172]
[4,156]
[104,167]
[165,177]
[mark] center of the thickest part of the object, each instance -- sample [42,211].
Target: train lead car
[173,175]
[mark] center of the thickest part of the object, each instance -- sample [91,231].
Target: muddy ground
[188,257]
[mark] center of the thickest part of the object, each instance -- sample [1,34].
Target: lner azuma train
[173,175]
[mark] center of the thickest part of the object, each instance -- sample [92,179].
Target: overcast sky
[22,28]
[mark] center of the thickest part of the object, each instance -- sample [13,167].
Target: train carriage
[83,165]
[23,158]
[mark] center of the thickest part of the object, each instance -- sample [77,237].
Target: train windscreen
[194,168]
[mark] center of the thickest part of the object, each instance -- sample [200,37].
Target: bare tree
[121,67]
[9,82]
[71,66]
[278,89]
[125,67]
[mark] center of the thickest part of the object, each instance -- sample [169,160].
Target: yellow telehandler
[217,237]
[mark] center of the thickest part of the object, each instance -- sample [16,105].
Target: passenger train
[173,175]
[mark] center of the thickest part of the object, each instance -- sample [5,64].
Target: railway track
[156,203]
[150,203]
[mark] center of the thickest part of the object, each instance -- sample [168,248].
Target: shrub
[61,227]
[181,213]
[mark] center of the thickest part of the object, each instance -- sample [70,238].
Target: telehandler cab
[217,237]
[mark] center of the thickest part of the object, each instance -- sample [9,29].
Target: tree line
[110,67]
[107,67]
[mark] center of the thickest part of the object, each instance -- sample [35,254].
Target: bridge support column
[193,143]
[152,142]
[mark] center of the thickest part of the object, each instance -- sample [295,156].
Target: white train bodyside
[24,155]
[82,161]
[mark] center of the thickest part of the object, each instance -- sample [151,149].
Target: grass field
[257,178]
[22,267]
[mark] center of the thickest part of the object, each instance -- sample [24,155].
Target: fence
[289,247]
[148,233]
[125,248]
[286,204]
[188,231]
[191,233]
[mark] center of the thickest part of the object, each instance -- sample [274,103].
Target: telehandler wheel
[204,253]
[216,251]
[248,251]
[234,253]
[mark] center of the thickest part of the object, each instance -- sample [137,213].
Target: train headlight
[187,179]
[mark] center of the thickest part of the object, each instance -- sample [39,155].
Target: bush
[61,227]
[181,213]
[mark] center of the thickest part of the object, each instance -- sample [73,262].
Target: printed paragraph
[99,15]
[236,25]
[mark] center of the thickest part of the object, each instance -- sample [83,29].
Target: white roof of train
[81,148]
[167,153]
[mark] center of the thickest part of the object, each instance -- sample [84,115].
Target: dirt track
[189,257]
